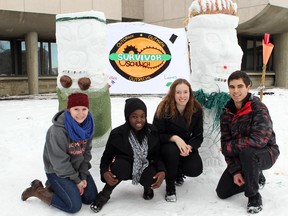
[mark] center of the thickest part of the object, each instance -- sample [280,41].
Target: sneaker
[101,199]
[262,180]
[180,180]
[148,193]
[254,204]
[170,195]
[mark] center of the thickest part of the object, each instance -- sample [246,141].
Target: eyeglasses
[83,83]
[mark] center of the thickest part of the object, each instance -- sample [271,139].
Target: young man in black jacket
[248,143]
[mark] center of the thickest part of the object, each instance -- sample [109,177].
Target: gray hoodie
[64,157]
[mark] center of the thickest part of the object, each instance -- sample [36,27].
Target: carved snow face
[214,51]
[81,43]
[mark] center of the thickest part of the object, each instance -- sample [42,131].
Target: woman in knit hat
[67,155]
[131,152]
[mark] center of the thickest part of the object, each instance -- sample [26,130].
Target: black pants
[190,166]
[252,162]
[122,168]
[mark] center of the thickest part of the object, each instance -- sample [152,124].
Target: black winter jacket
[249,127]
[118,146]
[191,134]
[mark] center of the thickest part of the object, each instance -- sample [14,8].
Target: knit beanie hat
[133,104]
[77,99]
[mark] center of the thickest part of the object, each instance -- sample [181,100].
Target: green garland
[215,101]
[77,18]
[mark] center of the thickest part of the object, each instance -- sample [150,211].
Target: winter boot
[170,195]
[37,190]
[102,198]
[254,204]
[262,180]
[148,193]
[48,186]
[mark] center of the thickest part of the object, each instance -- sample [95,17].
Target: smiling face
[238,91]
[137,120]
[79,113]
[182,95]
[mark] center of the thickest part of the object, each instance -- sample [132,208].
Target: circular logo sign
[139,57]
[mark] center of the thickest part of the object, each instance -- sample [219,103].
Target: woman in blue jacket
[179,119]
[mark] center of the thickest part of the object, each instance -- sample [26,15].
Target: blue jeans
[66,196]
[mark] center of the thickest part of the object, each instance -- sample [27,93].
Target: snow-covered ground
[24,123]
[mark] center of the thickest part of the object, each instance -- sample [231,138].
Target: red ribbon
[266,38]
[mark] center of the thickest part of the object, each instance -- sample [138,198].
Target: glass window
[43,58]
[13,58]
[47,54]
[6,66]
[21,58]
[252,55]
[54,59]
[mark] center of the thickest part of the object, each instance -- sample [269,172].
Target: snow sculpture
[214,55]
[82,65]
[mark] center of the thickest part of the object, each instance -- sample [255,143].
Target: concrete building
[28,52]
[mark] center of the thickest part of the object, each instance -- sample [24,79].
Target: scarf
[77,132]
[140,153]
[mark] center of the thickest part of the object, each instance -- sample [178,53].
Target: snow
[24,123]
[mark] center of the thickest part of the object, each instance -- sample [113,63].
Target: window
[6,66]
[47,58]
[13,58]
[54,59]
[252,60]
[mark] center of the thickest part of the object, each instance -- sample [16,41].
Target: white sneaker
[171,198]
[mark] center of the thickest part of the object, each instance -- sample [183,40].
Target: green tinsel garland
[215,101]
[77,18]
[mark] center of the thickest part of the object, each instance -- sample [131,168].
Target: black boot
[254,204]
[102,198]
[148,193]
[170,191]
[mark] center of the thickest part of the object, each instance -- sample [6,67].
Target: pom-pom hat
[77,99]
[133,104]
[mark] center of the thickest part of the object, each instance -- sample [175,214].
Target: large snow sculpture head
[81,40]
[214,49]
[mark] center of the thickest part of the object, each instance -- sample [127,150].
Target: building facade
[28,51]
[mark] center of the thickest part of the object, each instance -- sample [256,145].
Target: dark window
[13,58]
[48,58]
[6,65]
[252,60]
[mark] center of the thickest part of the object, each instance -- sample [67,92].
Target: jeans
[252,162]
[66,196]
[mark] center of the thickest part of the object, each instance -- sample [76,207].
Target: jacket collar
[231,105]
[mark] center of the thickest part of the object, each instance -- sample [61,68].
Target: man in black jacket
[248,143]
